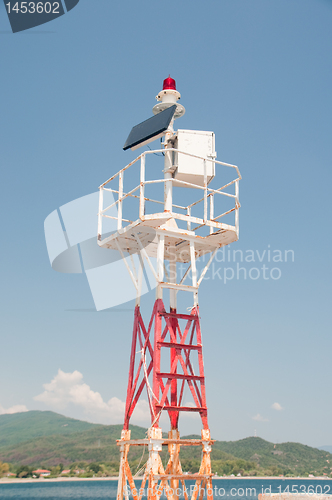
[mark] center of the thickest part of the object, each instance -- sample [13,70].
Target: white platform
[163,223]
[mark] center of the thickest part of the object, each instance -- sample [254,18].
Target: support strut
[180,334]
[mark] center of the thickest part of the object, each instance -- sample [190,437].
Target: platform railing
[208,199]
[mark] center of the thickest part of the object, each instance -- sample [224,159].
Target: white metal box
[199,143]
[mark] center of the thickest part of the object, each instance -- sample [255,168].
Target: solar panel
[150,129]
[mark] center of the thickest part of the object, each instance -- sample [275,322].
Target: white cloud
[69,389]
[13,409]
[277,406]
[259,418]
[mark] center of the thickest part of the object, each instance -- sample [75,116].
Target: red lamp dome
[169,84]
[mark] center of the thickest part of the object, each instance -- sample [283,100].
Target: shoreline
[115,478]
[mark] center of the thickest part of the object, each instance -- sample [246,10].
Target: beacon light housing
[168,97]
[151,129]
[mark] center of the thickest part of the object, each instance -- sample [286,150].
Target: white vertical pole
[205,192]
[237,208]
[189,223]
[168,176]
[193,270]
[168,203]
[141,190]
[160,264]
[211,210]
[172,275]
[120,200]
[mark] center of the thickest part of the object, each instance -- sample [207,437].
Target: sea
[231,488]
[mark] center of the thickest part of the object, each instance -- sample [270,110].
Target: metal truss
[166,357]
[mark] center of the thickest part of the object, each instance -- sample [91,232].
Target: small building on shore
[42,472]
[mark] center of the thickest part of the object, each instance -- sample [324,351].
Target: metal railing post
[237,228]
[205,193]
[141,190]
[211,210]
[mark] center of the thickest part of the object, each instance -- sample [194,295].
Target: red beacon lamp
[169,83]
[168,97]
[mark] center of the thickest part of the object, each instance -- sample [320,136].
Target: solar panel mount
[150,129]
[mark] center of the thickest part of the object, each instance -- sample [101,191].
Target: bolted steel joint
[155,445]
[207,447]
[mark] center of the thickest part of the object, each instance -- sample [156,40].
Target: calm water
[97,490]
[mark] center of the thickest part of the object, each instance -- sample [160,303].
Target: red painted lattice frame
[165,393]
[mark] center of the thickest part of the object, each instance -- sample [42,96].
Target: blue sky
[257,73]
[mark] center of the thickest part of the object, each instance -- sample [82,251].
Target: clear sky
[256,72]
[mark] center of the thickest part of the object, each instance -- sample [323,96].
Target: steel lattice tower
[166,353]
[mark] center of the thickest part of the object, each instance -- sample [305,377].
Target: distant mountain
[48,439]
[295,456]
[19,427]
[97,444]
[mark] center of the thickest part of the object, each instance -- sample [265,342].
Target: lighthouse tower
[158,232]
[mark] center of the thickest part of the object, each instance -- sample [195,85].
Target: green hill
[294,457]
[20,427]
[48,439]
[93,445]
